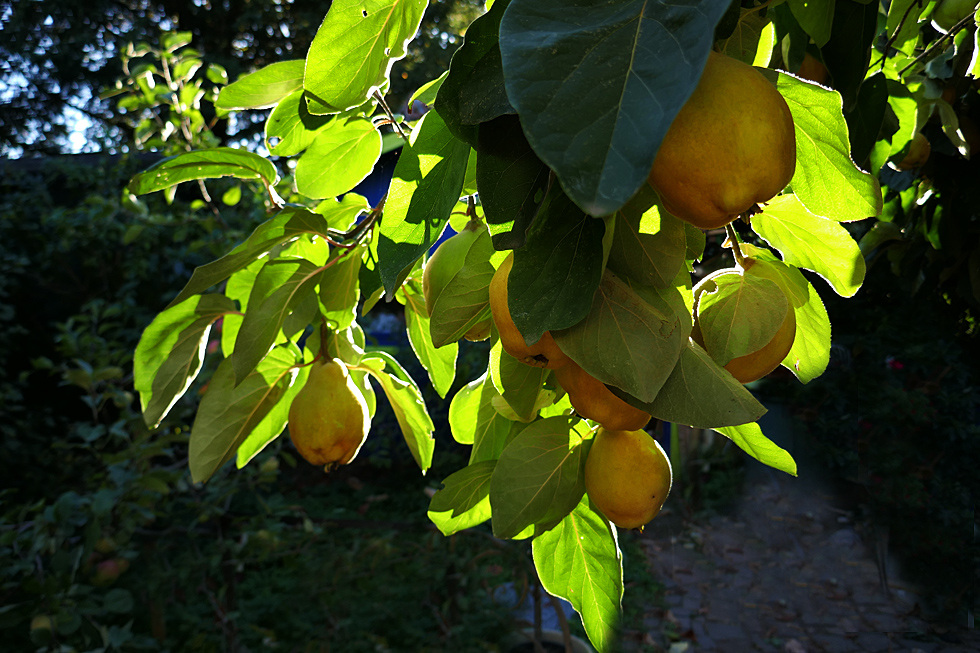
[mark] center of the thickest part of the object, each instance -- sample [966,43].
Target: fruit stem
[733,239]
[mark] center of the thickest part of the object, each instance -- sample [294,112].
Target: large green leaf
[204,164]
[355,47]
[473,91]
[558,270]
[263,88]
[339,293]
[702,394]
[279,288]
[291,128]
[848,52]
[426,185]
[597,85]
[628,340]
[274,422]
[406,402]
[341,155]
[826,180]
[816,17]
[230,411]
[289,223]
[649,244]
[511,179]
[539,477]
[171,350]
[439,363]
[579,560]
[750,439]
[809,241]
[464,491]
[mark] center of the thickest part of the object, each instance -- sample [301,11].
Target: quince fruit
[593,400]
[919,151]
[745,366]
[627,476]
[731,146]
[448,265]
[812,69]
[329,419]
[543,353]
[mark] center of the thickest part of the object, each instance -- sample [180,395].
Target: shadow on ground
[786,569]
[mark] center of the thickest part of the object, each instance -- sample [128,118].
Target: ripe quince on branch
[329,419]
[731,146]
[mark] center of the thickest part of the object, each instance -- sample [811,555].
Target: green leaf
[426,94]
[465,300]
[280,286]
[491,431]
[341,155]
[406,402]
[749,39]
[701,394]
[425,187]
[464,410]
[810,354]
[440,363]
[518,384]
[649,244]
[474,91]
[539,477]
[558,270]
[511,179]
[464,490]
[229,411]
[171,350]
[339,294]
[597,85]
[750,439]
[826,180]
[816,17]
[274,422]
[289,223]
[628,340]
[809,241]
[579,560]
[291,128]
[739,313]
[355,47]
[903,32]
[848,52]
[204,164]
[864,122]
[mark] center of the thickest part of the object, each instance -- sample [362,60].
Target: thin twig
[898,29]
[733,239]
[391,116]
[948,35]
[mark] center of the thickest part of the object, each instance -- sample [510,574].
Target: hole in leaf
[364,12]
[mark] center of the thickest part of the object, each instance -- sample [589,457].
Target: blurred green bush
[104,542]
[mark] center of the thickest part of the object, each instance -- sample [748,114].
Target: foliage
[58,60]
[551,148]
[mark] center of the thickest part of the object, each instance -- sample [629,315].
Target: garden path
[786,570]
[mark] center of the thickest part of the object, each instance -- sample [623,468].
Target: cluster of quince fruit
[731,147]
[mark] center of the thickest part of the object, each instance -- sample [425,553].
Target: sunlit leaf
[171,350]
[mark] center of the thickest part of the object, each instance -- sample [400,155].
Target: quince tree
[584,153]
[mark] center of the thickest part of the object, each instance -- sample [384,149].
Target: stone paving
[784,571]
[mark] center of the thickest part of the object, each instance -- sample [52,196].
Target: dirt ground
[786,569]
